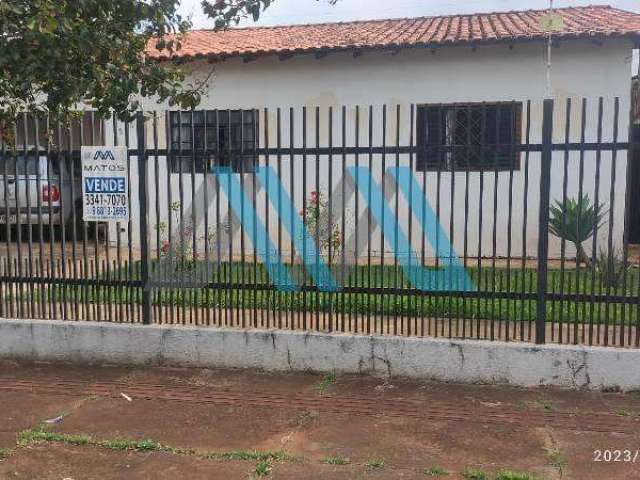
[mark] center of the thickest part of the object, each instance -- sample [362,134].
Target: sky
[315,11]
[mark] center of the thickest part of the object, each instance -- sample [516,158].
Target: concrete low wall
[419,358]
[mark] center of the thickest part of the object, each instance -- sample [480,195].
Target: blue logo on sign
[103,155]
[105,185]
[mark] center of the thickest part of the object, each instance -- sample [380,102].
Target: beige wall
[496,73]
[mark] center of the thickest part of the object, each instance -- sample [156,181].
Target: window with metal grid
[210,138]
[469,136]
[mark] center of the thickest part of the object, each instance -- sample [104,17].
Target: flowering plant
[321,227]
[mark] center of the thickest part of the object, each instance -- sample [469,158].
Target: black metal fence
[331,219]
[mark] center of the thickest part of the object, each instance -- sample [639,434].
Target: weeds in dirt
[556,458]
[475,474]
[513,475]
[544,404]
[435,471]
[127,444]
[327,381]
[4,453]
[375,464]
[263,468]
[336,460]
[623,412]
[253,455]
[37,435]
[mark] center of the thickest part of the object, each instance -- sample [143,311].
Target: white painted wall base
[418,358]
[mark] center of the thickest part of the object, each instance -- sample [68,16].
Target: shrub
[576,221]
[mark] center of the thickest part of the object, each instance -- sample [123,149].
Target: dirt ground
[161,423]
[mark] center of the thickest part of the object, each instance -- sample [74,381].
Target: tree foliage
[56,53]
[231,12]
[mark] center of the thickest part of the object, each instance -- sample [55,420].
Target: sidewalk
[132,423]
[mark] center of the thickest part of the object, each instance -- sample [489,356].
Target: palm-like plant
[576,221]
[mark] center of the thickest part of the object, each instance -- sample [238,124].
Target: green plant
[4,453]
[513,475]
[435,471]
[475,474]
[328,380]
[375,464]
[612,268]
[336,460]
[576,221]
[263,468]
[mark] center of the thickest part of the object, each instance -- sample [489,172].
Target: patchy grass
[38,435]
[336,460]
[486,278]
[513,475]
[475,474]
[138,445]
[254,455]
[5,452]
[327,381]
[375,464]
[435,471]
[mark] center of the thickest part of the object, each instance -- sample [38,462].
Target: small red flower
[314,197]
[165,247]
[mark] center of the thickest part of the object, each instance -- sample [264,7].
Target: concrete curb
[419,358]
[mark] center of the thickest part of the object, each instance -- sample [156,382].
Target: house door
[634,185]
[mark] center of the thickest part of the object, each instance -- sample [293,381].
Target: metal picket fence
[501,221]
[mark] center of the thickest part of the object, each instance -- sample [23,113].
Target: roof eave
[215,57]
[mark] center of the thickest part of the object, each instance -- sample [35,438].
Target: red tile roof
[482,28]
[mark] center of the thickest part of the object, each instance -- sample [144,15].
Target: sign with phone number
[105,185]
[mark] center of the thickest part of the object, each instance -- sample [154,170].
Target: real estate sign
[105,186]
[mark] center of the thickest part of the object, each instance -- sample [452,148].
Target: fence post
[144,236]
[543,221]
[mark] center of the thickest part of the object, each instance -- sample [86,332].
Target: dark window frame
[474,136]
[223,138]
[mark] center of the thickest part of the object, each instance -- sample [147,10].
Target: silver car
[36,191]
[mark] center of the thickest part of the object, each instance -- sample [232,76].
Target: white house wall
[450,75]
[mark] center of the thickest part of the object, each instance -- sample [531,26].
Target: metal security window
[469,136]
[213,138]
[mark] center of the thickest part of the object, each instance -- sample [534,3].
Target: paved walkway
[160,423]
